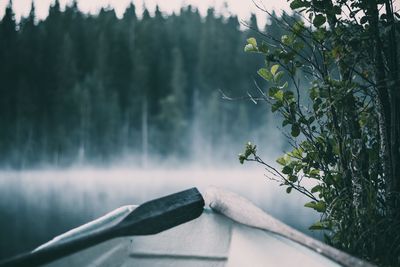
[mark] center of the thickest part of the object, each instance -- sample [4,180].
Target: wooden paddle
[149,218]
[243,211]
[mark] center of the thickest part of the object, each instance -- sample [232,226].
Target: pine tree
[95,86]
[28,90]
[209,54]
[173,115]
[8,78]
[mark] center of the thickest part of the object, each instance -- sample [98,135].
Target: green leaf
[272,91]
[252,41]
[289,96]
[283,160]
[314,93]
[298,46]
[287,170]
[285,122]
[250,48]
[279,95]
[293,178]
[317,226]
[278,76]
[319,206]
[319,35]
[336,149]
[310,204]
[337,10]
[364,20]
[263,47]
[242,158]
[298,152]
[276,106]
[285,85]
[250,149]
[298,27]
[316,188]
[319,20]
[295,130]
[303,120]
[288,190]
[298,4]
[285,39]
[265,74]
[274,68]
[314,173]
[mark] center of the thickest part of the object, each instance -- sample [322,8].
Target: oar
[149,218]
[243,211]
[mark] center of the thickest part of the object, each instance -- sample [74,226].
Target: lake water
[37,205]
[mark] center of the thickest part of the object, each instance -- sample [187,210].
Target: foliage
[338,131]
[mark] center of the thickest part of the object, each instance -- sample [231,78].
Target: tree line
[79,87]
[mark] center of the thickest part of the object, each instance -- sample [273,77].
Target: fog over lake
[37,205]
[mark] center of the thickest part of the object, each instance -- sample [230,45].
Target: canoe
[231,231]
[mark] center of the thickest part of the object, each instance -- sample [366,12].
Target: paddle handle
[330,252]
[56,251]
[243,211]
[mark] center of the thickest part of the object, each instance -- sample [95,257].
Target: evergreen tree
[84,87]
[8,78]
[173,115]
[28,91]
[209,54]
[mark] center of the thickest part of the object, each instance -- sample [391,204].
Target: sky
[241,8]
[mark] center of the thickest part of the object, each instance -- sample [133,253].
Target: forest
[80,88]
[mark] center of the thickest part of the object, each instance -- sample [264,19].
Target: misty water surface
[37,205]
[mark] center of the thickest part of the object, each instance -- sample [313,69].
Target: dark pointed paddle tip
[149,218]
[163,213]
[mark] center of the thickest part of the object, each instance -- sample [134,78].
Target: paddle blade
[149,218]
[163,213]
